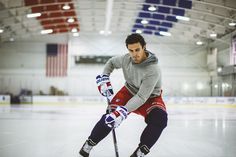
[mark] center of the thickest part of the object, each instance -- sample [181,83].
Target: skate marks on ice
[59,131]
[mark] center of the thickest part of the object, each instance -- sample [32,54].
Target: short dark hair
[135,38]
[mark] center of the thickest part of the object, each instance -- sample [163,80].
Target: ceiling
[113,17]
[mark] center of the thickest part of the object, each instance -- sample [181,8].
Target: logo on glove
[114,119]
[104,85]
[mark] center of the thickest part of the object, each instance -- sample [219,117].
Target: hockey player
[141,94]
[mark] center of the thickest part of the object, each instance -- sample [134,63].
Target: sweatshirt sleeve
[145,90]
[113,63]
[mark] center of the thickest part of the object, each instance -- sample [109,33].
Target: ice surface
[60,131]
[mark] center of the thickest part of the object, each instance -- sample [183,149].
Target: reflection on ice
[49,131]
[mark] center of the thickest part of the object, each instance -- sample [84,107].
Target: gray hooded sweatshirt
[143,80]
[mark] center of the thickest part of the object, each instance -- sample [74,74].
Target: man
[141,95]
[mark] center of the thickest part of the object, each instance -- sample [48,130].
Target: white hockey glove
[104,85]
[115,118]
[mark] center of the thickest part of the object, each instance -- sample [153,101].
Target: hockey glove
[115,118]
[104,85]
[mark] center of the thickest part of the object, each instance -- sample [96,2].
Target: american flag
[233,51]
[56,60]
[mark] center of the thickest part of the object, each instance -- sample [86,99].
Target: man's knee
[157,117]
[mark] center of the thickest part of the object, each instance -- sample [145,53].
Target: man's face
[137,52]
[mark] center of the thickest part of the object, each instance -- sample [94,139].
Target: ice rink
[58,57]
[59,131]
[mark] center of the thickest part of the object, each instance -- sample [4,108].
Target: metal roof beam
[108,14]
[214,4]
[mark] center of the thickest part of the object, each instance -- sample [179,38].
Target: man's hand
[104,85]
[115,118]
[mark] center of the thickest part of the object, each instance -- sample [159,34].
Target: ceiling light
[219,69]
[12,39]
[165,33]
[216,86]
[71,20]
[213,35]
[76,34]
[1,30]
[184,18]
[232,24]
[33,15]
[138,31]
[46,31]
[225,85]
[74,30]
[152,8]
[144,22]
[102,32]
[199,42]
[66,7]
[105,32]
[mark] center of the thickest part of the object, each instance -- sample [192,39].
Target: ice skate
[140,151]
[86,148]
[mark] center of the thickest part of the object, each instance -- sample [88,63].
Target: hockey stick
[113,131]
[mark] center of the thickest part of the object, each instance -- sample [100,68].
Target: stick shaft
[113,132]
[115,142]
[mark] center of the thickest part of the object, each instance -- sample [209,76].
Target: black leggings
[156,121]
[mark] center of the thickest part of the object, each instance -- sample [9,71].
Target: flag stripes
[56,60]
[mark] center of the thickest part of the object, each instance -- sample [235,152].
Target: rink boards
[76,100]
